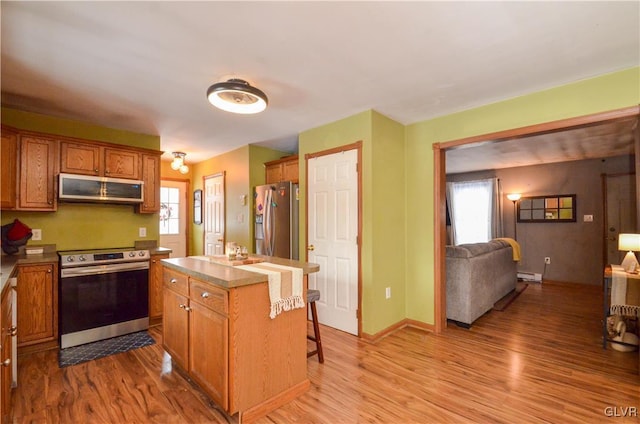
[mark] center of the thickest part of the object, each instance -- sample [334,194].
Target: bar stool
[312,296]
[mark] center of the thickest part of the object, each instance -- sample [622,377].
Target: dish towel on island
[285,286]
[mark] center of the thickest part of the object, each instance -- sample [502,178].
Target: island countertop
[227,276]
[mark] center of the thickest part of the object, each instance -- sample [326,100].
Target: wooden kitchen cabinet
[151,178]
[98,159]
[285,169]
[37,305]
[38,172]
[195,332]
[9,169]
[6,374]
[80,158]
[155,288]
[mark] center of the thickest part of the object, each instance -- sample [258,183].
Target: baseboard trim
[374,338]
[262,409]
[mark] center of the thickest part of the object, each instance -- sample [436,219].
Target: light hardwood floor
[540,360]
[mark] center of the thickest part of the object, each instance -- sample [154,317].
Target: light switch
[588,218]
[243,200]
[142,232]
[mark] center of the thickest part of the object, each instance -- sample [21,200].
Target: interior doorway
[214,214]
[174,216]
[439,150]
[621,212]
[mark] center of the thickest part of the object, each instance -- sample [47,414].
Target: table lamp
[630,243]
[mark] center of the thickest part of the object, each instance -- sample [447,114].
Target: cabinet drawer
[176,281]
[209,296]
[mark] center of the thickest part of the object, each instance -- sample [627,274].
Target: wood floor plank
[539,360]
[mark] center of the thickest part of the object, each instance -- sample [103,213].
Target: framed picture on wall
[197,207]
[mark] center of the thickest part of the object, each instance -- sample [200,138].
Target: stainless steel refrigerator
[276,219]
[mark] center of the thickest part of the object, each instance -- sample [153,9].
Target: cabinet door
[273,173]
[119,163]
[6,373]
[155,288]
[37,319]
[290,171]
[8,170]
[151,178]
[208,352]
[78,158]
[175,327]
[38,170]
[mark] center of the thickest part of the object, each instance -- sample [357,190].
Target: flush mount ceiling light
[178,162]
[237,96]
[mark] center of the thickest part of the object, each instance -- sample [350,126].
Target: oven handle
[103,269]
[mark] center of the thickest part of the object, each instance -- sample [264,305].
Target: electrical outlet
[547,260]
[387,293]
[36,234]
[142,232]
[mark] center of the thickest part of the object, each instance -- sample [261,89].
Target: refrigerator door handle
[266,225]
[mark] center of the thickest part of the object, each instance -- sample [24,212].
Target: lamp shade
[514,197]
[237,96]
[629,242]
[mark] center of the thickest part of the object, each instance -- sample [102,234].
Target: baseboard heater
[530,276]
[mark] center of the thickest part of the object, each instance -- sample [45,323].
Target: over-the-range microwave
[87,188]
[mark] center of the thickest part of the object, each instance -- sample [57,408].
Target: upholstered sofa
[478,275]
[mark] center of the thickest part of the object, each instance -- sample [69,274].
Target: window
[473,210]
[169,207]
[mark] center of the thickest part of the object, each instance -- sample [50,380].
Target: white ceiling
[146,66]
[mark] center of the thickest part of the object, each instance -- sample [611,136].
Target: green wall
[244,169]
[607,92]
[383,235]
[84,226]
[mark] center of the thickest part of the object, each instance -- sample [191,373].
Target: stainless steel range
[103,293]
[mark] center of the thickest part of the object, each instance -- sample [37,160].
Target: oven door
[100,296]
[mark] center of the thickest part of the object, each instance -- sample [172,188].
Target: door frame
[189,208]
[439,160]
[605,214]
[222,174]
[353,146]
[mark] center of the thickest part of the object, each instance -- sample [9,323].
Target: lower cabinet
[6,374]
[195,333]
[155,288]
[37,305]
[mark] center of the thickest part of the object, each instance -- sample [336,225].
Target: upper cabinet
[285,169]
[151,178]
[32,161]
[38,172]
[94,159]
[8,170]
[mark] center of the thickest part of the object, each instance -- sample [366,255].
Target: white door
[621,212]
[333,232]
[173,217]
[214,225]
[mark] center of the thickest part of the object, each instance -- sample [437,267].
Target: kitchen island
[216,326]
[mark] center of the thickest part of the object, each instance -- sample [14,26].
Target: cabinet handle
[153,261]
[95,170]
[204,295]
[50,202]
[49,270]
[106,171]
[185,307]
[173,281]
[6,362]
[13,330]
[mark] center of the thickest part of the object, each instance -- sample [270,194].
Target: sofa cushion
[474,249]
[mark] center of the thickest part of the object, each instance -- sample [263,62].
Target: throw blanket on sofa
[285,286]
[515,246]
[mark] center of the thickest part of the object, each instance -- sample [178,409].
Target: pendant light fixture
[237,96]
[178,162]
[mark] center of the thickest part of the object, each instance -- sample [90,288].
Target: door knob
[611,238]
[311,247]
[220,240]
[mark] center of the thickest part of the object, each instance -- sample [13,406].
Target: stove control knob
[81,258]
[141,253]
[69,258]
[132,254]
